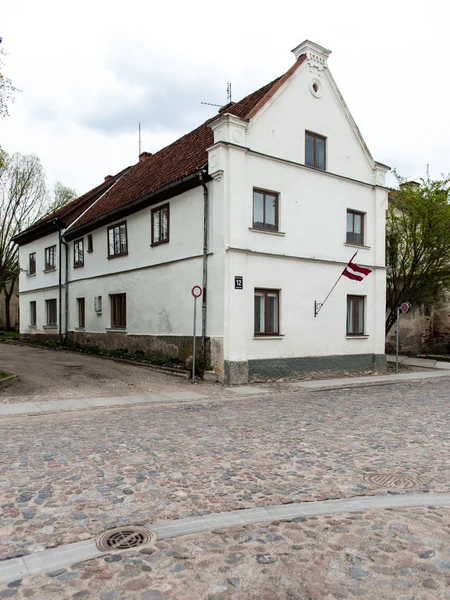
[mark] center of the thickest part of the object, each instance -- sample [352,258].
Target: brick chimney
[144,155]
[108,177]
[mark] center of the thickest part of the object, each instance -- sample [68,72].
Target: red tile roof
[184,157]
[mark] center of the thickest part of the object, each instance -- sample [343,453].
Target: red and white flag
[354,271]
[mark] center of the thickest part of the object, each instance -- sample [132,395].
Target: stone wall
[423,330]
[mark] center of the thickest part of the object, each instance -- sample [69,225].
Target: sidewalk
[427,363]
[175,397]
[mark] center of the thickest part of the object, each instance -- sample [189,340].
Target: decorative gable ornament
[316,56]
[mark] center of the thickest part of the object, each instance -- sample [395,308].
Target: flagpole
[318,306]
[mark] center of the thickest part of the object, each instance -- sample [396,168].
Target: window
[355,315]
[50,306]
[33,314]
[118,311]
[78,253]
[160,224]
[355,228]
[90,245]
[315,155]
[267,312]
[81,312]
[50,258]
[265,210]
[32,264]
[117,240]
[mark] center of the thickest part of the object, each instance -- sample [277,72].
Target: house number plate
[238,283]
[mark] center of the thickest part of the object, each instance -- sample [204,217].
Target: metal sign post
[196,292]
[401,310]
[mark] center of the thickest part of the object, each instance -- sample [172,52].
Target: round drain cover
[124,538]
[390,480]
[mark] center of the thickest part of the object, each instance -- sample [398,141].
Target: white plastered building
[262,206]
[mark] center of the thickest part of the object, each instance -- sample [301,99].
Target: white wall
[307,258]
[39,287]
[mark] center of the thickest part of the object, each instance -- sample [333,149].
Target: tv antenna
[228,97]
[139,139]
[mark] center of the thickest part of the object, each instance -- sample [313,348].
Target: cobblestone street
[66,477]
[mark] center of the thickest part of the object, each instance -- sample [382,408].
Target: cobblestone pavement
[401,554]
[65,477]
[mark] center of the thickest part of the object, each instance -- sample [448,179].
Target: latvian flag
[353,271]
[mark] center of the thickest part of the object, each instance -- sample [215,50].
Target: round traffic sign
[197,291]
[405,307]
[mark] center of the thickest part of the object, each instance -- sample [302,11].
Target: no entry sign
[197,291]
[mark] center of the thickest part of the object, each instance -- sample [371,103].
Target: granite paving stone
[65,477]
[375,556]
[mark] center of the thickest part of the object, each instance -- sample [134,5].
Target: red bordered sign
[196,291]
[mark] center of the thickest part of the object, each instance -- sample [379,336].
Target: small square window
[51,310]
[267,312]
[315,150]
[33,314]
[117,240]
[50,258]
[90,243]
[355,315]
[160,224]
[118,311]
[265,210]
[32,264]
[355,228]
[81,305]
[78,253]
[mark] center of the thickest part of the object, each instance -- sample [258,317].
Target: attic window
[315,87]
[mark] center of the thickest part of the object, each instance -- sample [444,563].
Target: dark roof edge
[139,204]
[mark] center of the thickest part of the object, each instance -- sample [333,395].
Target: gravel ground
[65,477]
[388,554]
[48,374]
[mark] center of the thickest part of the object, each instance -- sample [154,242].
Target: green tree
[7,90]
[417,244]
[62,195]
[23,200]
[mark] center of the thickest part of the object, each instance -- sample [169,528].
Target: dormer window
[315,150]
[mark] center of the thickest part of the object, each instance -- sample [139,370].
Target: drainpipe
[205,262]
[62,243]
[66,316]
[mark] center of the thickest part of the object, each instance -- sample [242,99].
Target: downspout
[205,263]
[62,243]
[66,316]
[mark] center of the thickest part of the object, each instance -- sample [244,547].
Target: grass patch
[4,374]
[9,335]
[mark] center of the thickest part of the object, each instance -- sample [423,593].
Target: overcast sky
[91,70]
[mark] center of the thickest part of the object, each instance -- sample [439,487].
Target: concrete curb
[64,556]
[7,381]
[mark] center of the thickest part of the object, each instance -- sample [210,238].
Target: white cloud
[90,71]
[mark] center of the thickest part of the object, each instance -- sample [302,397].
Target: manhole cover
[390,480]
[123,538]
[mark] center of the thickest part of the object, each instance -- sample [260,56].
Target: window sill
[32,327]
[257,230]
[89,251]
[357,246]
[117,255]
[50,327]
[80,328]
[268,337]
[159,243]
[356,337]
[115,330]
[78,266]
[32,274]
[49,270]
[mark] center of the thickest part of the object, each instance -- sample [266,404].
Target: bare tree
[7,90]
[23,200]
[62,195]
